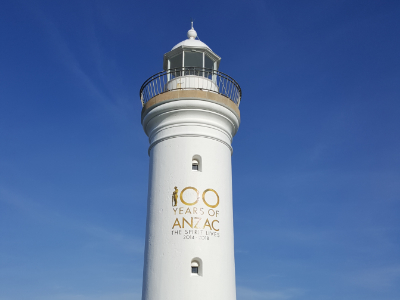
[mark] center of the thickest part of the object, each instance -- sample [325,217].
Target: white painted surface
[191,43]
[192,34]
[178,132]
[192,82]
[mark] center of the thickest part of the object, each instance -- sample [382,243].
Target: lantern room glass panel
[193,63]
[194,59]
[176,65]
[208,64]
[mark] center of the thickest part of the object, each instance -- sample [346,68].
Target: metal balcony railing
[191,78]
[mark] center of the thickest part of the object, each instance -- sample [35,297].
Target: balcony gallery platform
[190,95]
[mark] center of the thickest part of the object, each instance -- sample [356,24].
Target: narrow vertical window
[197,163]
[196,267]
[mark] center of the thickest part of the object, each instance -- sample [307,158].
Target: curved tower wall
[186,230]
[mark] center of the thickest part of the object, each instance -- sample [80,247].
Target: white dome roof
[191,41]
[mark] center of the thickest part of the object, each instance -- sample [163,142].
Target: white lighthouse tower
[190,114]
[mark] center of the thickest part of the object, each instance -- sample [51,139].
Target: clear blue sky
[315,164]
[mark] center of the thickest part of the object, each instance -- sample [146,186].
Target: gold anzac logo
[200,220]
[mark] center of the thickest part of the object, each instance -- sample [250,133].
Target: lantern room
[191,54]
[190,65]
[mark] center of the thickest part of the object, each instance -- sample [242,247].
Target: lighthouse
[190,114]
